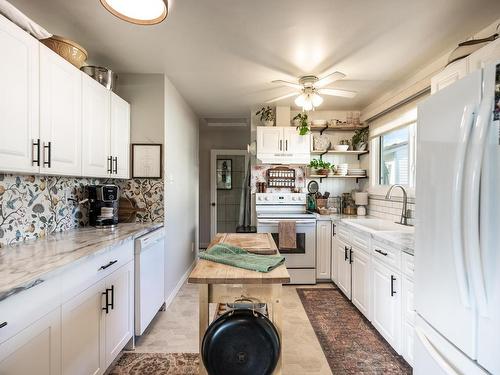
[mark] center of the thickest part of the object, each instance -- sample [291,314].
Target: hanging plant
[303,126]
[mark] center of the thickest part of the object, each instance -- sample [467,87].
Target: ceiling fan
[309,87]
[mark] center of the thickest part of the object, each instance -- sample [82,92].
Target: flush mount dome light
[140,12]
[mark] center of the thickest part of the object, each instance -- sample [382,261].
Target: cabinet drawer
[343,233]
[91,270]
[360,242]
[386,254]
[408,265]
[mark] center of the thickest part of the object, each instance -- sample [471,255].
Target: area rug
[350,343]
[156,364]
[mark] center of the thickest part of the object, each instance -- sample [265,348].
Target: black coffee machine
[103,205]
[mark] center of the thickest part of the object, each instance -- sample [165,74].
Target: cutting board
[256,243]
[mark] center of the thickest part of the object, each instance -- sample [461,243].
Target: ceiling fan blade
[335,76]
[289,84]
[282,97]
[336,92]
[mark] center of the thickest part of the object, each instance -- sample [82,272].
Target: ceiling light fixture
[144,12]
[308,100]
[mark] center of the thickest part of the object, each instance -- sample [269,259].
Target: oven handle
[277,221]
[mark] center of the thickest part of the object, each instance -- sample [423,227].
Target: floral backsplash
[34,206]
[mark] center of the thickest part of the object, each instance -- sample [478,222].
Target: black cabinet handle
[108,265]
[393,292]
[333,230]
[115,160]
[381,252]
[37,160]
[3,324]
[48,147]
[286,145]
[107,305]
[112,297]
[350,255]
[281,145]
[346,249]
[110,164]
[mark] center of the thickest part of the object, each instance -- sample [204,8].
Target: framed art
[224,174]
[146,160]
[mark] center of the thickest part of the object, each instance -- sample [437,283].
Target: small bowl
[341,147]
[68,49]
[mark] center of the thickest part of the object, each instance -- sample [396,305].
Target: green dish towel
[238,257]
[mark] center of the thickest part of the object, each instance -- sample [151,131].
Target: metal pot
[241,342]
[104,76]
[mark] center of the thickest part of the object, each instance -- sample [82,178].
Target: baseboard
[179,285]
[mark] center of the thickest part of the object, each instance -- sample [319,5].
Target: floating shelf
[321,177]
[322,129]
[324,152]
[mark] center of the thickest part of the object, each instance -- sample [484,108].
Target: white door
[323,249]
[451,74]
[120,137]
[296,143]
[19,99]
[441,285]
[96,153]
[386,302]
[34,350]
[343,268]
[83,351]
[120,316]
[60,115]
[361,281]
[270,140]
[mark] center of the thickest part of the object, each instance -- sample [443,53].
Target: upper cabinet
[282,145]
[60,115]
[120,137]
[19,100]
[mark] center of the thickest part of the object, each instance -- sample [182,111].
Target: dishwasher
[149,278]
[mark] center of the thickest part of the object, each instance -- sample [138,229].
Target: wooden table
[220,283]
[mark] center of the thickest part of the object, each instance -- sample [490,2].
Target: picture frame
[224,174]
[147,160]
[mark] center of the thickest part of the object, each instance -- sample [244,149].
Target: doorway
[228,170]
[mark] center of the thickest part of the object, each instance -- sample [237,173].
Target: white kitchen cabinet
[83,332]
[361,281]
[408,316]
[120,137]
[269,140]
[294,142]
[386,303]
[282,145]
[19,99]
[323,249]
[342,258]
[96,146]
[34,350]
[60,115]
[334,268]
[119,324]
[450,74]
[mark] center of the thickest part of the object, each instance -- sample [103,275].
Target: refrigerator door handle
[457,196]
[471,201]
[433,352]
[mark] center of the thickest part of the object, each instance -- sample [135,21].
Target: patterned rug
[350,343]
[156,364]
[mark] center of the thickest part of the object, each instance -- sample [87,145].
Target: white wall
[181,187]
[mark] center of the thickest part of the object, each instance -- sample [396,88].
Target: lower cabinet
[409,314]
[361,281]
[35,350]
[323,250]
[386,303]
[342,258]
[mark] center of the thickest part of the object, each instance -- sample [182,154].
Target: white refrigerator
[457,236]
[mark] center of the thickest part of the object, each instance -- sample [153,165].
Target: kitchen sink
[379,225]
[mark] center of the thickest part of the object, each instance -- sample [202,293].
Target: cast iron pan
[241,342]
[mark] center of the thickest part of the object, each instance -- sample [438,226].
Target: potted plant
[360,139]
[266,116]
[303,126]
[320,167]
[314,165]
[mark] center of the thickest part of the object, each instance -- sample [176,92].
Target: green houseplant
[360,139]
[303,126]
[266,116]
[320,167]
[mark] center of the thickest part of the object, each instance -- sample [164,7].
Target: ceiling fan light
[300,100]
[144,12]
[316,100]
[307,105]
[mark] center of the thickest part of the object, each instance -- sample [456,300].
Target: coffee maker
[103,205]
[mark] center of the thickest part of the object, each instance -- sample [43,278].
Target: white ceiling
[223,54]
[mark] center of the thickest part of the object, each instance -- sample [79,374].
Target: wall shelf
[321,177]
[333,152]
[327,128]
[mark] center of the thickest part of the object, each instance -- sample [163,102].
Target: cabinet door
[96,155]
[60,115]
[361,281]
[323,249]
[450,74]
[269,140]
[34,350]
[120,136]
[386,312]
[19,99]
[334,268]
[119,319]
[343,268]
[296,143]
[408,337]
[83,351]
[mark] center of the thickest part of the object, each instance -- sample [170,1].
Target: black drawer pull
[393,292]
[108,265]
[3,324]
[381,252]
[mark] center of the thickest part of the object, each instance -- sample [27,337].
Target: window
[394,165]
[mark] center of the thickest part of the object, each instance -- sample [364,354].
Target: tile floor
[176,331]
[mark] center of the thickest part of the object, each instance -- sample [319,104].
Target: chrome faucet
[404,212]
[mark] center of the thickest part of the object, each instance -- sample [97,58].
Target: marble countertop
[401,240]
[21,265]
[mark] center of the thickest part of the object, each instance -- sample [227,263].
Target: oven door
[304,256]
